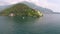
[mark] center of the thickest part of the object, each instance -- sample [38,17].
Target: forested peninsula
[21,9]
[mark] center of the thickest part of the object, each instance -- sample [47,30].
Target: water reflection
[22,20]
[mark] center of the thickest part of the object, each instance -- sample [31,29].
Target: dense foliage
[20,9]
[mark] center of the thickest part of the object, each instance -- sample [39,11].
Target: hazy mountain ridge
[4,7]
[44,10]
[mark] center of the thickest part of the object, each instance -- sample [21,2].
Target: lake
[48,24]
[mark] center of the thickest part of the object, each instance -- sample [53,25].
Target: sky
[51,4]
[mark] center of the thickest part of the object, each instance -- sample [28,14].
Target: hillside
[21,9]
[32,5]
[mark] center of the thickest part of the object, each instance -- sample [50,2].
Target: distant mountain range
[4,7]
[32,5]
[43,10]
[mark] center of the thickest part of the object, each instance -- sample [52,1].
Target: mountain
[43,10]
[21,9]
[33,6]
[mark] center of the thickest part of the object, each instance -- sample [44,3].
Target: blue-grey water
[48,24]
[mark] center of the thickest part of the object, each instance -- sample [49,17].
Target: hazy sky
[51,4]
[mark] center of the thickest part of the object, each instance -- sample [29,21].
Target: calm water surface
[48,24]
